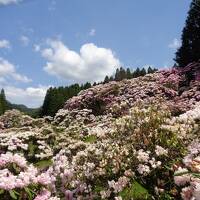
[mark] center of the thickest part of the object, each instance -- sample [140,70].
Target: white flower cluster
[190,174]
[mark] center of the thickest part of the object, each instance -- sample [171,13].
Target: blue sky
[59,42]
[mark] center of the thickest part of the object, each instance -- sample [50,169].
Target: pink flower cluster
[43,195]
[27,174]
[10,158]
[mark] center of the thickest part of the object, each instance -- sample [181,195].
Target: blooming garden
[134,139]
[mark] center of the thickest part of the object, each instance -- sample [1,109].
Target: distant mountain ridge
[33,112]
[24,109]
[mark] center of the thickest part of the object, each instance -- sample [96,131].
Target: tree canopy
[56,97]
[190,48]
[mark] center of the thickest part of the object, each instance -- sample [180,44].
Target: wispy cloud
[7,2]
[36,47]
[5,44]
[8,71]
[175,44]
[92,32]
[24,40]
[52,5]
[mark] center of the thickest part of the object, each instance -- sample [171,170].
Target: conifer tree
[122,74]
[150,70]
[143,72]
[117,75]
[111,78]
[136,73]
[190,48]
[106,80]
[3,102]
[86,86]
[128,73]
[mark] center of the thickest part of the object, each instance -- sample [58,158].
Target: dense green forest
[56,97]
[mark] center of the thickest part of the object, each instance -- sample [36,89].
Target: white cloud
[22,78]
[175,44]
[24,40]
[92,32]
[4,44]
[92,63]
[7,2]
[32,96]
[7,70]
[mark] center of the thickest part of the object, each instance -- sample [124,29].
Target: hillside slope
[134,139]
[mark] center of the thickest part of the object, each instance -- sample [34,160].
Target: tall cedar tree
[190,49]
[106,80]
[117,75]
[128,73]
[3,102]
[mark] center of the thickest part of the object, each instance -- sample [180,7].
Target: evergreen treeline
[190,49]
[121,74]
[56,97]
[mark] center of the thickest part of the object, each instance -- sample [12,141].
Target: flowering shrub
[19,180]
[131,146]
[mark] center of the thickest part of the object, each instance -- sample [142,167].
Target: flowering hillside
[134,139]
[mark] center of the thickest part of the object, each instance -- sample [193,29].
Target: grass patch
[31,149]
[135,191]
[44,163]
[90,139]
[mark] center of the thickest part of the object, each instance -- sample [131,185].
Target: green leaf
[29,193]
[181,173]
[13,194]
[169,168]
[197,175]
[1,191]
